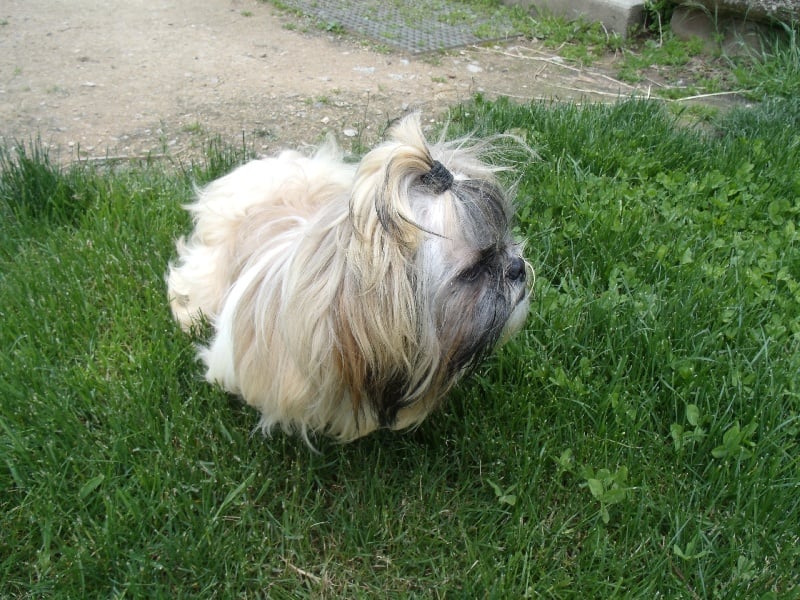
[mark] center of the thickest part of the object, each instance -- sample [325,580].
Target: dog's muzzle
[516,270]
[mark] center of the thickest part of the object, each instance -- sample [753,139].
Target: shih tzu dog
[345,298]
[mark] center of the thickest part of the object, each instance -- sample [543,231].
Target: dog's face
[438,239]
[476,275]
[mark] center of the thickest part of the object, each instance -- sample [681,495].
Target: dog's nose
[516,270]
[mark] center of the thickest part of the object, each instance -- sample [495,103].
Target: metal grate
[415,26]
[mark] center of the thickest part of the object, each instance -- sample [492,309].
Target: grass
[776,70]
[640,438]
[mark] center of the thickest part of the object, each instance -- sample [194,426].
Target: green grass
[776,70]
[641,437]
[653,51]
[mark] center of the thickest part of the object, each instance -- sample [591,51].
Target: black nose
[516,270]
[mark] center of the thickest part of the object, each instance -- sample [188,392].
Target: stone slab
[787,11]
[722,33]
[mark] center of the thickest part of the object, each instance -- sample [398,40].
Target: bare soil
[132,78]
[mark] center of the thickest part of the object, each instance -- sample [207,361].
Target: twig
[598,92]
[549,60]
[711,95]
[303,573]
[657,84]
[552,61]
[612,80]
[121,158]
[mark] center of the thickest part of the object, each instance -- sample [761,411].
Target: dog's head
[435,279]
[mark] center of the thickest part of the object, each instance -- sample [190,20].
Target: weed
[194,128]
[776,71]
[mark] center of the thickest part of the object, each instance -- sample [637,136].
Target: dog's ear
[385,357]
[380,205]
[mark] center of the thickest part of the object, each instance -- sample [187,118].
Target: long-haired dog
[344,298]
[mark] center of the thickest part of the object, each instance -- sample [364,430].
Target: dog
[343,297]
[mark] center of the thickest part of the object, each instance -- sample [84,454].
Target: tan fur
[323,280]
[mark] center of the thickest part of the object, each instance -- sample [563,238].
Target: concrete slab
[618,16]
[769,11]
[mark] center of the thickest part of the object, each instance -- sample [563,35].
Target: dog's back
[257,204]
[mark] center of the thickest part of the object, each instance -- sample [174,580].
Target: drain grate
[415,26]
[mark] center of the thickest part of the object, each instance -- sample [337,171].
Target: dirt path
[131,77]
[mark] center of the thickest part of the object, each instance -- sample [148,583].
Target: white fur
[329,285]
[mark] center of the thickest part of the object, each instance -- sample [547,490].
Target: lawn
[640,438]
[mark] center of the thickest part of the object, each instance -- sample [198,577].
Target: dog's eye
[472,273]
